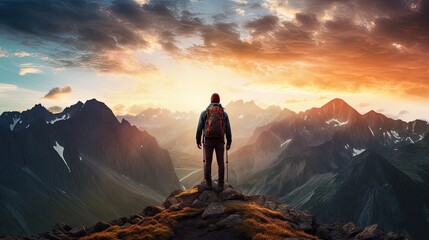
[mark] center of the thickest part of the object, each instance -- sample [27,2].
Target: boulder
[170,201]
[323,233]
[136,219]
[197,203]
[370,233]
[208,197]
[231,194]
[61,228]
[350,229]
[151,211]
[214,209]
[78,231]
[176,207]
[305,222]
[101,226]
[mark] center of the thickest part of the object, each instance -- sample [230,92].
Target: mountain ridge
[87,165]
[199,213]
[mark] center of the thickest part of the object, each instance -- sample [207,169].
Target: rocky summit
[199,213]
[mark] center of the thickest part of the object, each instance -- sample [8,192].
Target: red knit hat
[215,98]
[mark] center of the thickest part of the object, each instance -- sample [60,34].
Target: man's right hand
[199,145]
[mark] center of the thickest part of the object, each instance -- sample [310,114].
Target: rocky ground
[199,213]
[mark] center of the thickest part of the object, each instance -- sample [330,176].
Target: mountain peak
[240,104]
[374,116]
[39,108]
[336,109]
[336,103]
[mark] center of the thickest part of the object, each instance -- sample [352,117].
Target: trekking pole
[227,165]
[204,158]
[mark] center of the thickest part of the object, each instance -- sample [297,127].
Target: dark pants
[216,145]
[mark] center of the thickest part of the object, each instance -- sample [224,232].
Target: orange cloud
[57,92]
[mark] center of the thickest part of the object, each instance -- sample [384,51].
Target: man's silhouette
[213,126]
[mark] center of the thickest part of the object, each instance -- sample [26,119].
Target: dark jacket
[202,122]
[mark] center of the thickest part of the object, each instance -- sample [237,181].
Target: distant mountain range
[79,166]
[85,164]
[244,117]
[343,166]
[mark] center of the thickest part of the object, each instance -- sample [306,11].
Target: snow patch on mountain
[372,132]
[337,123]
[286,143]
[64,117]
[12,125]
[60,151]
[395,134]
[357,151]
[388,134]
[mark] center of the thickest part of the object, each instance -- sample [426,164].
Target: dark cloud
[57,92]
[86,29]
[262,25]
[55,109]
[307,21]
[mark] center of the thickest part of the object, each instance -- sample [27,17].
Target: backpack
[214,126]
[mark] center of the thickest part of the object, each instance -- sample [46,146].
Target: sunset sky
[135,54]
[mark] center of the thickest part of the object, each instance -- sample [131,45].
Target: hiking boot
[220,187]
[209,185]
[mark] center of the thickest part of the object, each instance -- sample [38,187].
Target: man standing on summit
[214,125]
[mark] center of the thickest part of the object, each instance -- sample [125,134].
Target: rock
[176,207]
[117,222]
[265,202]
[283,208]
[197,203]
[202,187]
[61,228]
[126,225]
[208,197]
[136,219]
[51,236]
[170,201]
[350,229]
[370,233]
[230,221]
[323,233]
[231,194]
[101,226]
[78,231]
[151,211]
[305,222]
[394,236]
[215,209]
